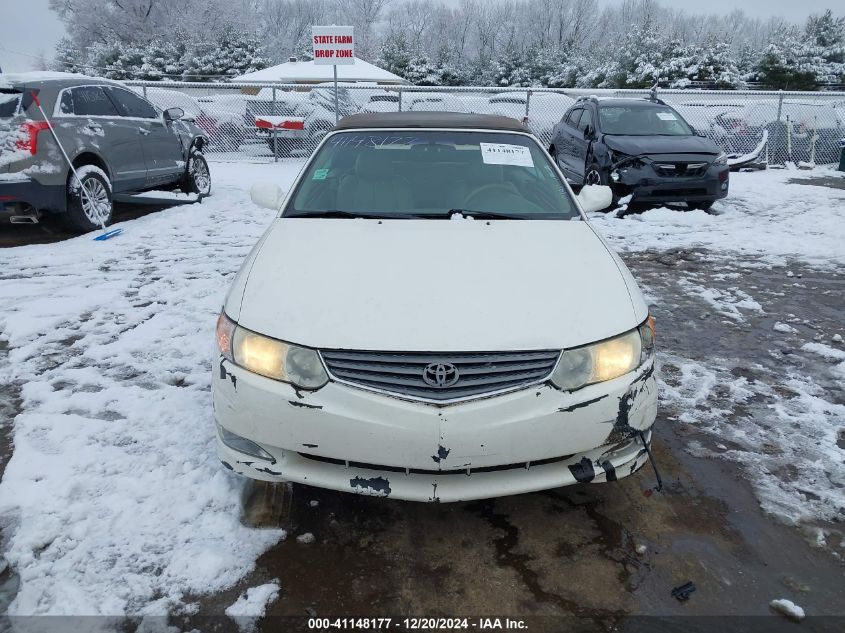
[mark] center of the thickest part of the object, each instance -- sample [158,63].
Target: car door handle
[143,131]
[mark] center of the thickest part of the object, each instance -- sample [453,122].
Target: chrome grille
[404,373]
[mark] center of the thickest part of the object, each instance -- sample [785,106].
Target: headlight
[605,360]
[300,366]
[721,159]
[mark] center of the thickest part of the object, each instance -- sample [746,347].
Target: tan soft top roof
[457,120]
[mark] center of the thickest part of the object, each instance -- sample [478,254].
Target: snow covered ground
[115,493]
[114,500]
[761,218]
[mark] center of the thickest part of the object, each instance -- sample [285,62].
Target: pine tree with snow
[68,57]
[640,61]
[542,64]
[788,62]
[422,71]
[511,69]
[227,53]
[163,61]
[826,36]
[396,54]
[747,61]
[710,65]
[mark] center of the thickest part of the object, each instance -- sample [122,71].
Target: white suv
[431,317]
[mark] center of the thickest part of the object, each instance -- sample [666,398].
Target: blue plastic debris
[107,234]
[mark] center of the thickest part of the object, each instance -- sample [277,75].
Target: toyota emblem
[440,375]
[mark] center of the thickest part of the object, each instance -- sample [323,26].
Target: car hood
[435,285]
[635,145]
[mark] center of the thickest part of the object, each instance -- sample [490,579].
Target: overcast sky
[29,27]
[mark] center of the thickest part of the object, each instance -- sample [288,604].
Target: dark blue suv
[639,147]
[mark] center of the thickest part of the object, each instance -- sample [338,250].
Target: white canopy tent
[307,72]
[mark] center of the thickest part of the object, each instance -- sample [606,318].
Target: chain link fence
[272,122]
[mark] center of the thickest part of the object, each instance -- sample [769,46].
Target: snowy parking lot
[113,501]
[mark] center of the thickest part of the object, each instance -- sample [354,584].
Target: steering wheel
[493,187]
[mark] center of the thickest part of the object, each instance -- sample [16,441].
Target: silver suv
[118,143]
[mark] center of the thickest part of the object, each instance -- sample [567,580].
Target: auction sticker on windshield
[506,154]
[666,116]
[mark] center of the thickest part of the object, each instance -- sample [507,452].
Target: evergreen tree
[826,36]
[511,69]
[787,63]
[396,55]
[68,58]
[230,53]
[163,61]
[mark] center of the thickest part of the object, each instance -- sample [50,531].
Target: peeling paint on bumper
[582,436]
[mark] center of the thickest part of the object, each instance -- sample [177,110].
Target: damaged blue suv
[639,147]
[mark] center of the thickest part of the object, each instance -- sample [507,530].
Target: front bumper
[645,185]
[15,194]
[348,439]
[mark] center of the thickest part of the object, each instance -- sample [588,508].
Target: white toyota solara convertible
[431,317]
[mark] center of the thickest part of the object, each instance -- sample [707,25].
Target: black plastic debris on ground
[683,592]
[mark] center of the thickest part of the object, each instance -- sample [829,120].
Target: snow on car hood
[435,285]
[662,145]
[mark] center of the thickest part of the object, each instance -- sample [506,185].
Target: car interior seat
[374,186]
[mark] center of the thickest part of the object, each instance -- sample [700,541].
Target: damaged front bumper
[352,440]
[642,181]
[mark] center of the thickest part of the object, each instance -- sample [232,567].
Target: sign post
[333,45]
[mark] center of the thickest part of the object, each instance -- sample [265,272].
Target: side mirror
[267,195]
[589,133]
[173,114]
[595,198]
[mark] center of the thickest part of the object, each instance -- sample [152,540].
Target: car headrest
[374,165]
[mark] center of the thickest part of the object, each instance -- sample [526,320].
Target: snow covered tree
[422,71]
[396,54]
[511,69]
[826,35]
[747,60]
[542,64]
[787,63]
[230,53]
[163,61]
[710,65]
[640,60]
[68,58]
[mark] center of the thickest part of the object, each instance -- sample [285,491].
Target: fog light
[614,176]
[724,186]
[243,445]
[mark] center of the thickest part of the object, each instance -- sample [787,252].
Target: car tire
[89,212]
[198,176]
[597,176]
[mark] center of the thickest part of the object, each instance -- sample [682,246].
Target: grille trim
[436,473]
[681,169]
[400,374]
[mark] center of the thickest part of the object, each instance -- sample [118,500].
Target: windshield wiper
[364,215]
[484,215]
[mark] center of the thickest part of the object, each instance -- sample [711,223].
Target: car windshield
[431,174]
[642,120]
